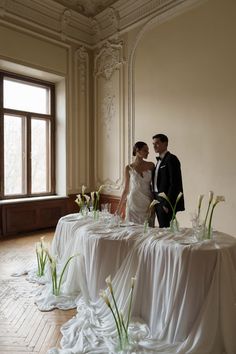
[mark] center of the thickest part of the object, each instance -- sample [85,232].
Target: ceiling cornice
[55,20]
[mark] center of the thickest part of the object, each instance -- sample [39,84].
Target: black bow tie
[158,158]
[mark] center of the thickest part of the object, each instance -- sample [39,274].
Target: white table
[185,295]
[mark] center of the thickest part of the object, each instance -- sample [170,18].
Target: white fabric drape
[184,299]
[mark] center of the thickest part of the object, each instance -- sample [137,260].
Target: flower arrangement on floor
[122,324]
[207,224]
[149,214]
[56,279]
[174,225]
[41,253]
[83,201]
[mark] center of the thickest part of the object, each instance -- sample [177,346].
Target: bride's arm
[125,192]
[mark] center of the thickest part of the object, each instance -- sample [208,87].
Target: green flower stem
[125,329]
[62,273]
[117,312]
[210,221]
[117,325]
[39,270]
[130,305]
[56,283]
[41,261]
[209,204]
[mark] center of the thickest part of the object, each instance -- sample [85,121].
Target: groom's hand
[166,209]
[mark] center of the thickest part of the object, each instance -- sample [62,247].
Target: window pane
[25,96]
[40,156]
[14,155]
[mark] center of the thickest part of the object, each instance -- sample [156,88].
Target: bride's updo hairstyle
[138,146]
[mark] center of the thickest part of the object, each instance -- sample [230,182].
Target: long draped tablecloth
[184,298]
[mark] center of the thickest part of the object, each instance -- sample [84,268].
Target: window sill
[33,199]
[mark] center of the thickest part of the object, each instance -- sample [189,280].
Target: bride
[137,190]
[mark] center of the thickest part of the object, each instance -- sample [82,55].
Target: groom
[166,178]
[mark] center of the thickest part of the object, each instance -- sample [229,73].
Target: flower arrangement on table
[122,324]
[83,201]
[174,225]
[206,226]
[95,198]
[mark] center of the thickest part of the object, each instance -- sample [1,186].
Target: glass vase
[95,215]
[174,226]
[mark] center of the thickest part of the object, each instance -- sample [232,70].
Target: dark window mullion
[28,154]
[1,139]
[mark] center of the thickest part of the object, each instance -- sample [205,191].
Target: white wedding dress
[139,197]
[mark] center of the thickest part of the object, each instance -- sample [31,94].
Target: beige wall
[185,86]
[67,65]
[176,76]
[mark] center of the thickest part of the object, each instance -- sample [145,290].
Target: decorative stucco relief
[81,121]
[108,107]
[108,60]
[82,57]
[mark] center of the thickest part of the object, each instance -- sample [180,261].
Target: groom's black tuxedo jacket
[169,180]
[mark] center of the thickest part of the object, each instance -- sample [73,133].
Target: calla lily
[200,198]
[87,198]
[154,202]
[101,188]
[211,195]
[178,197]
[57,280]
[163,195]
[109,284]
[118,316]
[173,208]
[83,189]
[105,297]
[41,253]
[219,198]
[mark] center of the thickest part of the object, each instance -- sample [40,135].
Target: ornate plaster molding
[108,108]
[82,110]
[83,60]
[108,59]
[64,23]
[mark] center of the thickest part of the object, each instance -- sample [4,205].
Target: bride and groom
[144,181]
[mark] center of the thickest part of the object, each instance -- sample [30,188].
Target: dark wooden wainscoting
[32,215]
[25,216]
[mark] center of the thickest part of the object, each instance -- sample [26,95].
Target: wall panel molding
[108,72]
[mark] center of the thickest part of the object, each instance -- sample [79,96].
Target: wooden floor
[23,328]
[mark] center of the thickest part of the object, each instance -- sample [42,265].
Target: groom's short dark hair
[163,138]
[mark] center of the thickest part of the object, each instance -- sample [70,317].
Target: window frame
[28,116]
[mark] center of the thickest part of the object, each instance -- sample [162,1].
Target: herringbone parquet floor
[23,328]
